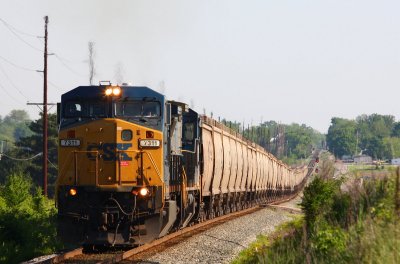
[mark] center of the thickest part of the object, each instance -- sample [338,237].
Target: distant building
[347,159]
[362,159]
[396,161]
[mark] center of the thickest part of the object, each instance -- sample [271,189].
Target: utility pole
[356,143]
[1,148]
[45,122]
[44,110]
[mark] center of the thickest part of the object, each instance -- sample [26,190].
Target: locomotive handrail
[154,164]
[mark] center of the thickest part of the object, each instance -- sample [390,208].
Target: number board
[149,143]
[70,142]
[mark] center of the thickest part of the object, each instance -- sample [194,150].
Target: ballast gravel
[222,243]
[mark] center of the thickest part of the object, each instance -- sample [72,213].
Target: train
[134,166]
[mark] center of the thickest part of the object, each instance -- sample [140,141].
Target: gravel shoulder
[221,244]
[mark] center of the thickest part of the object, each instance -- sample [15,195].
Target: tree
[376,148]
[34,142]
[31,145]
[372,130]
[14,126]
[299,140]
[392,147]
[341,137]
[294,141]
[16,116]
[396,130]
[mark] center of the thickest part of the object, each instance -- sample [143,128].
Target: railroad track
[136,254]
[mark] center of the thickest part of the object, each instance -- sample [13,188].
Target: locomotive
[134,166]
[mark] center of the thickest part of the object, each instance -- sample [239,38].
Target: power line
[14,32]
[19,159]
[53,84]
[67,67]
[67,60]
[17,30]
[52,164]
[12,97]
[12,84]
[16,66]
[62,60]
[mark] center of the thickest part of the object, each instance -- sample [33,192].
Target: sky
[245,60]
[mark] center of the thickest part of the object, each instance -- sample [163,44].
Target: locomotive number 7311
[70,142]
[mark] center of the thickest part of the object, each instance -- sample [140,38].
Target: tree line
[22,147]
[375,135]
[288,142]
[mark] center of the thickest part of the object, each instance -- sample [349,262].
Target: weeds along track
[142,252]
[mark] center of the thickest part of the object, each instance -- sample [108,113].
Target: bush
[329,243]
[27,221]
[318,197]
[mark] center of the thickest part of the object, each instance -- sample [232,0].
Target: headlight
[113,90]
[72,192]
[116,91]
[109,91]
[144,191]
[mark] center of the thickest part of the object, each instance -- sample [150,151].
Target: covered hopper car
[134,167]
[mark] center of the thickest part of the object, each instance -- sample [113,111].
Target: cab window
[188,132]
[138,109]
[73,109]
[85,109]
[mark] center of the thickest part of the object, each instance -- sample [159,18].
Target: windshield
[138,109]
[85,109]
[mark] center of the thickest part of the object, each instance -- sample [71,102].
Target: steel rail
[63,256]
